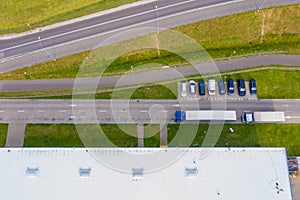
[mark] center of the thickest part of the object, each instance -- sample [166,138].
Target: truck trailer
[250,117]
[205,115]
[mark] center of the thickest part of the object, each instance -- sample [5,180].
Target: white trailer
[212,115]
[263,117]
[269,116]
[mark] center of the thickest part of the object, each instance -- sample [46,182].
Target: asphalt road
[123,111]
[151,76]
[84,35]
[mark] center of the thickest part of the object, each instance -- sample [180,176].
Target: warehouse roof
[144,173]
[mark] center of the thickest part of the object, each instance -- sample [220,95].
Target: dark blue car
[201,87]
[230,86]
[252,86]
[241,87]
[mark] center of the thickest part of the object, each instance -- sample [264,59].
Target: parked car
[241,87]
[211,87]
[252,86]
[183,92]
[192,87]
[201,85]
[230,86]
[221,87]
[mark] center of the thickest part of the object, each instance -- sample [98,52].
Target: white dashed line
[21,111]
[2,111]
[62,111]
[143,111]
[41,111]
[102,111]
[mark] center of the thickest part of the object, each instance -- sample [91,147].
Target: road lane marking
[2,111]
[21,111]
[62,111]
[102,111]
[41,111]
[164,111]
[143,111]
[73,105]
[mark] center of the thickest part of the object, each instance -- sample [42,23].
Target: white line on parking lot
[2,111]
[21,111]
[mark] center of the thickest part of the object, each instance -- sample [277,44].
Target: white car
[183,92]
[211,87]
[192,87]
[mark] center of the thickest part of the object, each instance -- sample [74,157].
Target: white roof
[144,173]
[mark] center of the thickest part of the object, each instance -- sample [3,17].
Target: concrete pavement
[15,135]
[122,111]
[140,129]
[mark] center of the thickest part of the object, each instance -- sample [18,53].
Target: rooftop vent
[32,172]
[84,172]
[137,173]
[191,172]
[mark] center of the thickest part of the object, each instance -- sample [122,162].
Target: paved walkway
[163,135]
[295,183]
[140,135]
[15,135]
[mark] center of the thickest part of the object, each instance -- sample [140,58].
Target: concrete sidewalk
[15,135]
[140,128]
[163,135]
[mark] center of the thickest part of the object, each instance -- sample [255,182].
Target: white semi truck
[205,115]
[250,117]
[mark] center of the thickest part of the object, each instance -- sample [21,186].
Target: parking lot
[217,96]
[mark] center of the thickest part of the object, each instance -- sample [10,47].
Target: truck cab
[248,117]
[179,116]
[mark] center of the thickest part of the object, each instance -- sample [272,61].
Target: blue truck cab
[179,116]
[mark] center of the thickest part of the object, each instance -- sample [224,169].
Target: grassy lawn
[240,33]
[3,133]
[254,135]
[167,91]
[22,15]
[151,135]
[66,135]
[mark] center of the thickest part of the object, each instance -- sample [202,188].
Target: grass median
[222,37]
[3,134]
[66,135]
[23,15]
[254,135]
